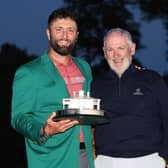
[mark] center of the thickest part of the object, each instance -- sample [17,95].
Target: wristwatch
[43,135]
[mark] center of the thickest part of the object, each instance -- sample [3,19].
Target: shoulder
[29,68]
[36,63]
[31,72]
[30,64]
[147,71]
[147,74]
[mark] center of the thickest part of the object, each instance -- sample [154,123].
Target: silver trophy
[83,108]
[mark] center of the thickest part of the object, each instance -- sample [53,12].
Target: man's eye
[58,29]
[71,30]
[109,49]
[121,48]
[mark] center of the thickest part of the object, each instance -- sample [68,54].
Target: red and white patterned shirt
[73,79]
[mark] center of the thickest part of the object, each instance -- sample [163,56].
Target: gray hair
[122,32]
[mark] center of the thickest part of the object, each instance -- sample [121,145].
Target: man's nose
[65,34]
[115,52]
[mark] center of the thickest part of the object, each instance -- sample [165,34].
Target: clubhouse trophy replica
[83,108]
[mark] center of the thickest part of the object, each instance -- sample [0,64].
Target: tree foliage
[154,9]
[98,16]
[11,58]
[95,18]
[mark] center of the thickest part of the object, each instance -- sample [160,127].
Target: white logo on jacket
[138,92]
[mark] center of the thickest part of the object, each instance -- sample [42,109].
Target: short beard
[119,71]
[64,51]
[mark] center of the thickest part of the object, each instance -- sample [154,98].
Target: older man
[136,101]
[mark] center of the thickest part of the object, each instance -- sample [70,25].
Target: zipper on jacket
[119,87]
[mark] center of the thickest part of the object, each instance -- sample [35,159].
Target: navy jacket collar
[131,69]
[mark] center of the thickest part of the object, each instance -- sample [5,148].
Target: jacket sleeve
[162,94]
[23,100]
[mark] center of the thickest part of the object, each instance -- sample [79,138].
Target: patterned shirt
[73,79]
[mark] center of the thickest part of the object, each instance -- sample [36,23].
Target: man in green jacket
[38,89]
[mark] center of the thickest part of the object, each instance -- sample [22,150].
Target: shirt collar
[70,62]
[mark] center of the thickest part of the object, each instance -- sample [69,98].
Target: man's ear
[104,51]
[133,49]
[48,33]
[77,36]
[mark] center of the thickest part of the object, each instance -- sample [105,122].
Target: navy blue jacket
[137,104]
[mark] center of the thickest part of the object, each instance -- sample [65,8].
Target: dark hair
[62,13]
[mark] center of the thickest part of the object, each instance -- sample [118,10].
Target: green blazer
[38,90]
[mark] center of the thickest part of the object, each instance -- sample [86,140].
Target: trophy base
[84,119]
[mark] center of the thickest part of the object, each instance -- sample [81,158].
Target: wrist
[43,135]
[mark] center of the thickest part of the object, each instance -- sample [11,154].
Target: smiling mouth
[64,42]
[120,60]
